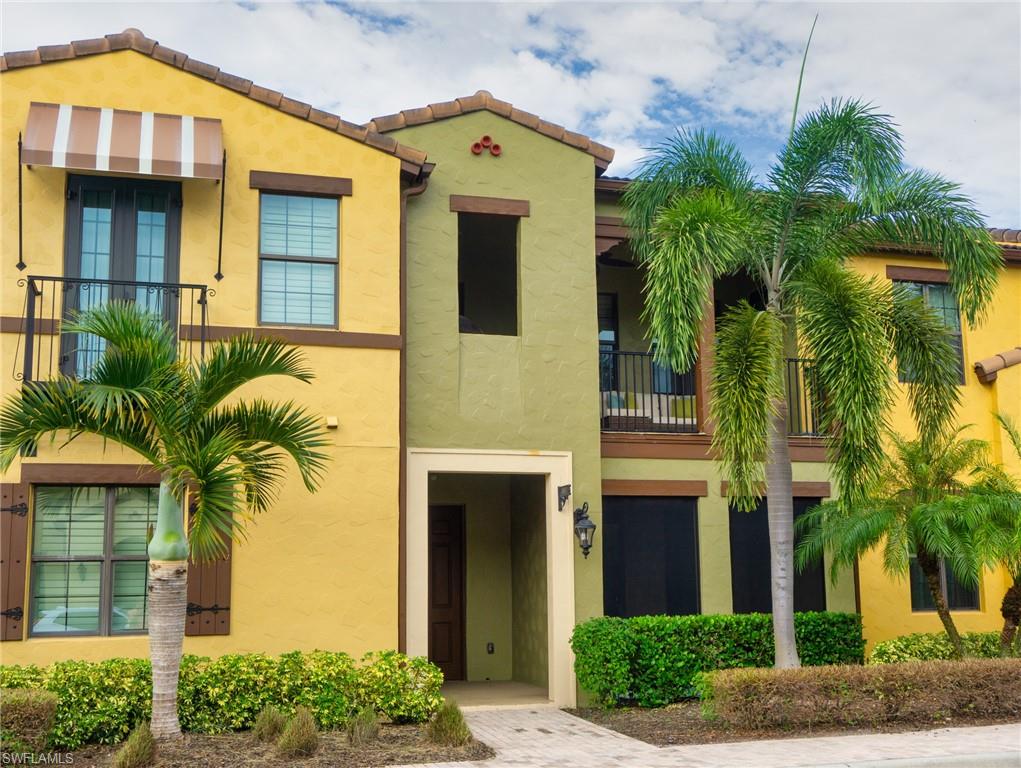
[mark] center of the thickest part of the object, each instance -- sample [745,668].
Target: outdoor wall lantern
[584,528]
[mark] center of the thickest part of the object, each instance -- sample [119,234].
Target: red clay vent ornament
[486,142]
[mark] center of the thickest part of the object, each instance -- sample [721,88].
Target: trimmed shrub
[324,681]
[406,690]
[448,727]
[363,727]
[301,737]
[653,660]
[26,718]
[863,695]
[138,751]
[933,646]
[269,724]
[100,702]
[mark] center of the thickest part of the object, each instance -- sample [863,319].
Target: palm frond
[745,389]
[1013,433]
[922,346]
[127,325]
[840,318]
[240,360]
[920,209]
[697,237]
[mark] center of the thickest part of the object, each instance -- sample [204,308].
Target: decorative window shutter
[13,559]
[209,596]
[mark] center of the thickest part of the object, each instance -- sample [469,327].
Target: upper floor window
[940,298]
[89,561]
[487,273]
[958,597]
[298,260]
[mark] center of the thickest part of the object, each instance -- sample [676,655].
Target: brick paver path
[545,737]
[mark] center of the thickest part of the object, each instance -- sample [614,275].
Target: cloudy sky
[626,74]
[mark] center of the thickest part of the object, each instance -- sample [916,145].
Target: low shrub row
[919,692]
[933,646]
[653,660]
[100,702]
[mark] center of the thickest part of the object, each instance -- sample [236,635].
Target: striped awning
[121,141]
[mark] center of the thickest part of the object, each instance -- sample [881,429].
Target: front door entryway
[446,590]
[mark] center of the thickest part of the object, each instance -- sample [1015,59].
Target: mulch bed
[397,745]
[683,724]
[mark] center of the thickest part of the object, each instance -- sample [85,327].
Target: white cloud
[950,73]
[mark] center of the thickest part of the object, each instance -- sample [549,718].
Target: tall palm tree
[837,188]
[226,460]
[938,501]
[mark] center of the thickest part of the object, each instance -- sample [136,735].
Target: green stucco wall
[714,525]
[487,515]
[534,391]
[528,568]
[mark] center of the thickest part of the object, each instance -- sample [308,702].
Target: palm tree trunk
[779,493]
[1010,609]
[930,569]
[168,601]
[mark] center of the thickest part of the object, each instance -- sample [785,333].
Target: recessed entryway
[490,571]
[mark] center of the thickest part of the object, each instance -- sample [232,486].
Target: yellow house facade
[231,209]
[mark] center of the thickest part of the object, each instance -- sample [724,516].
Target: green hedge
[934,646]
[100,702]
[653,660]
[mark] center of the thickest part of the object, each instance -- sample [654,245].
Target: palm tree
[837,188]
[1010,524]
[935,502]
[225,459]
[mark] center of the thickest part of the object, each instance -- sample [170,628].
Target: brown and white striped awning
[121,141]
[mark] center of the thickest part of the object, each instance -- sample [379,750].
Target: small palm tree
[838,187]
[937,500]
[1010,525]
[224,459]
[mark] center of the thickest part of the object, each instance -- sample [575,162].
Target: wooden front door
[446,590]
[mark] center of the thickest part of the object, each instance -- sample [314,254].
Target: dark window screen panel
[958,596]
[650,556]
[750,569]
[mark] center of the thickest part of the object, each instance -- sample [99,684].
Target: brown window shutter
[209,597]
[13,559]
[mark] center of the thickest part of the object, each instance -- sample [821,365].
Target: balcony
[637,394]
[51,301]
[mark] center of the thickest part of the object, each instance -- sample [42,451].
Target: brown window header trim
[498,206]
[308,337]
[804,489]
[917,274]
[655,488]
[658,445]
[270,181]
[89,474]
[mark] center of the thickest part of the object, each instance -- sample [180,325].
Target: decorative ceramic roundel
[486,142]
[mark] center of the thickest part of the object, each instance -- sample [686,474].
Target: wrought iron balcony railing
[50,302]
[637,394]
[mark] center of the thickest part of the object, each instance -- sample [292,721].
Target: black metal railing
[50,302]
[637,394]
[802,384]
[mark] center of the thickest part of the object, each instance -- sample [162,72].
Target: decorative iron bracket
[194,609]
[563,494]
[20,509]
[13,613]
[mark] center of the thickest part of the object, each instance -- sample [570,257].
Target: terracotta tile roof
[1008,237]
[484,100]
[134,40]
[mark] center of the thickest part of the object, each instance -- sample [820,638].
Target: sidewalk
[546,737]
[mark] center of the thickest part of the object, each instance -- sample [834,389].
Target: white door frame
[556,467]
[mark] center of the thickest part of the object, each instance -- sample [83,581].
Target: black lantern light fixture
[584,529]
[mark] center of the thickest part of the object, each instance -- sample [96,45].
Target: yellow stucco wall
[317,571]
[886,601]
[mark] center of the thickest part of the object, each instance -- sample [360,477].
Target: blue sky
[627,74]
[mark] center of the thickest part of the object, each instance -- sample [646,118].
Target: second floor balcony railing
[637,394]
[640,395]
[48,349]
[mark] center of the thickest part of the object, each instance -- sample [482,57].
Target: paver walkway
[545,737]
